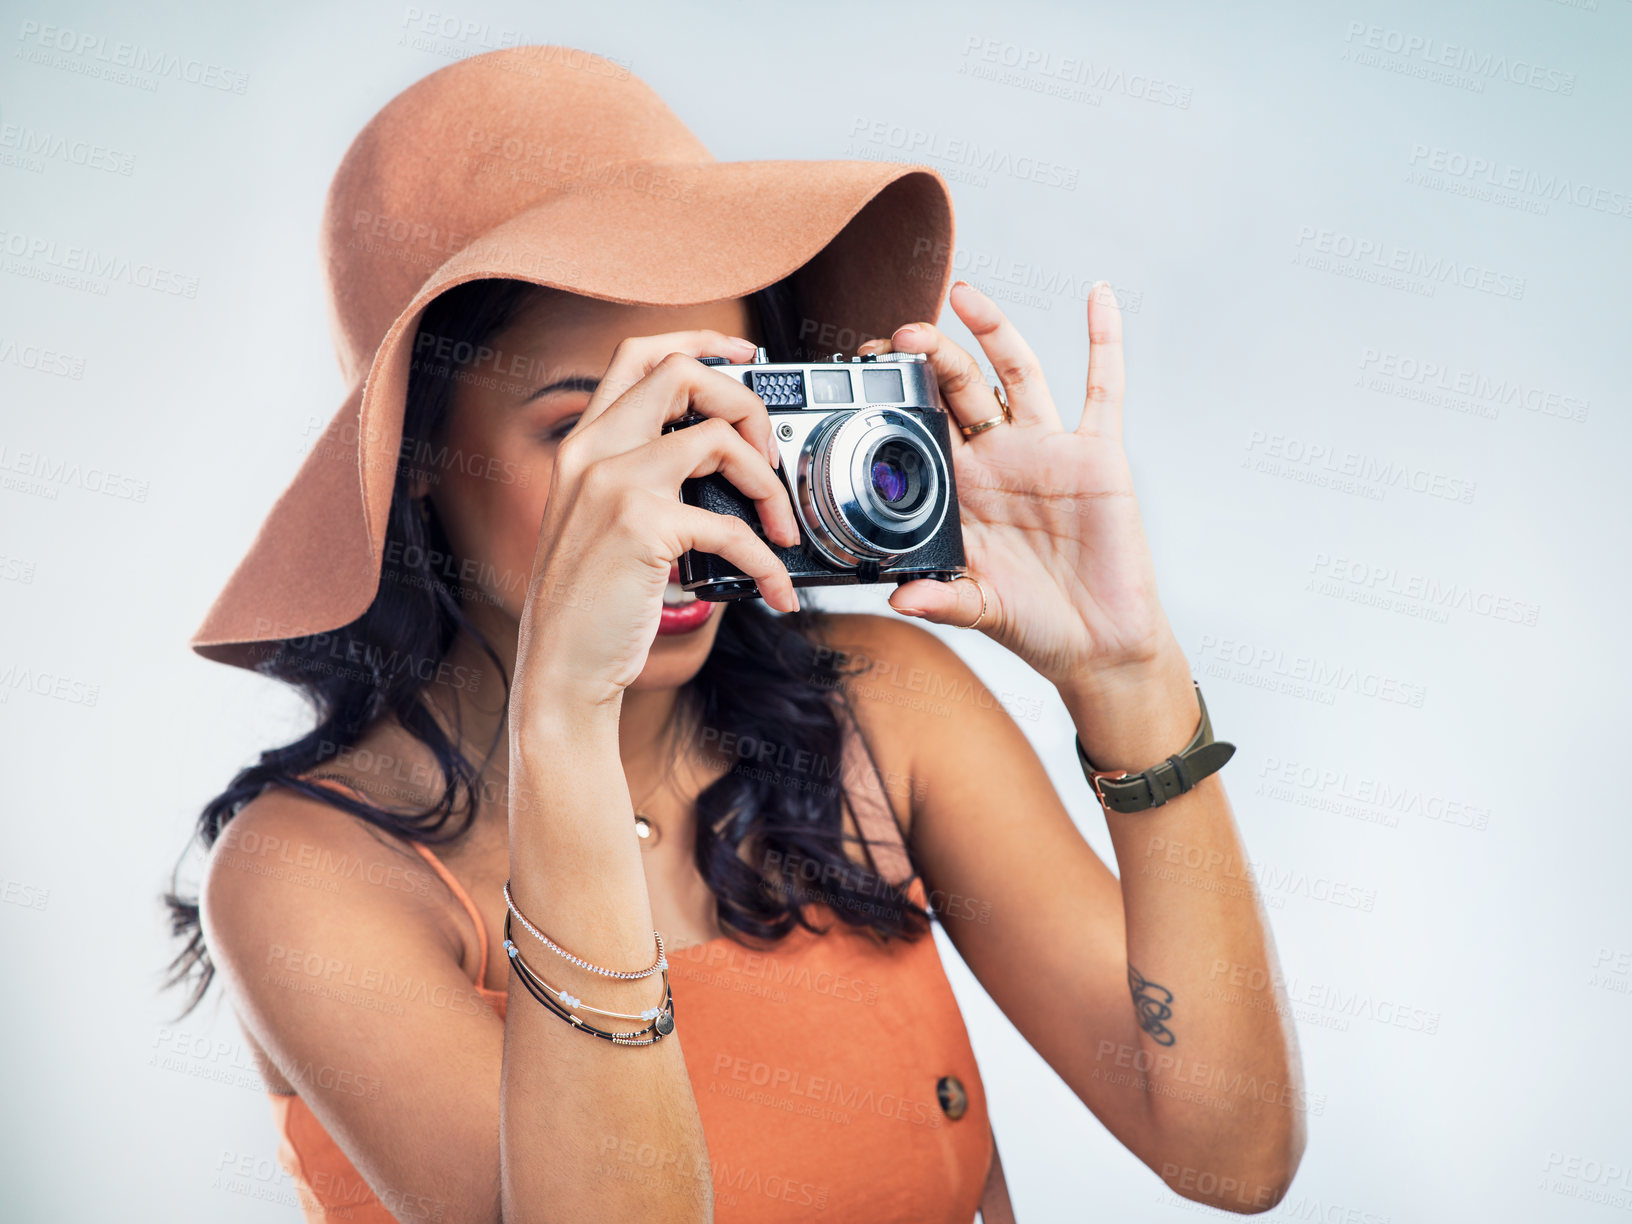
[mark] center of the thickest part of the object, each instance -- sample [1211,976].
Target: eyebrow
[578,382]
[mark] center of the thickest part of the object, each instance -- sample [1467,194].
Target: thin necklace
[645,827]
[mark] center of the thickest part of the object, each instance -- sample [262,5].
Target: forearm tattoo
[1154,1004]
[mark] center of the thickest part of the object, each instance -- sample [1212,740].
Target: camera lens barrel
[872,485]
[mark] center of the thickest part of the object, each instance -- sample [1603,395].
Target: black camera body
[867,458]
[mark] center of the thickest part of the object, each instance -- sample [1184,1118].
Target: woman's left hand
[1050,524]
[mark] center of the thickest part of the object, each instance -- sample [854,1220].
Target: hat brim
[871,243]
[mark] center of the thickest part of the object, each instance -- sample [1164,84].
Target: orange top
[818,1071]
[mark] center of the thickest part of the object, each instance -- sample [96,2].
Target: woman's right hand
[614,523]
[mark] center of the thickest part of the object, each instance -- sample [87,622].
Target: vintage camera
[866,457]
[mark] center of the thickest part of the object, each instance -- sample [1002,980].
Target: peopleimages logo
[1309,461]
[1497,175]
[1340,790]
[576,168]
[918,143]
[22,679]
[41,359]
[30,144]
[93,265]
[1444,385]
[1042,71]
[1330,570]
[1439,54]
[50,471]
[1003,273]
[95,55]
[1257,662]
[1366,258]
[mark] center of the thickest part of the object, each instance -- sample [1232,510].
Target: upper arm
[1033,911]
[352,984]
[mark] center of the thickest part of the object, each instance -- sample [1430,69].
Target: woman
[704,838]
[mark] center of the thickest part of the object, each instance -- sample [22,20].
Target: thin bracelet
[658,1029]
[636,1038]
[571,1000]
[662,961]
[662,1021]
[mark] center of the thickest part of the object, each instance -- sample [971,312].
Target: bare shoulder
[338,959]
[866,639]
[895,669]
[910,692]
[288,869]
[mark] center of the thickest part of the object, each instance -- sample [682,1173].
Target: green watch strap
[1121,791]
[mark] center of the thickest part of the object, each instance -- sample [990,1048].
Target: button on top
[954,1100]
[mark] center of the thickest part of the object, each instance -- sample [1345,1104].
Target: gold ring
[979,427]
[974,623]
[1006,417]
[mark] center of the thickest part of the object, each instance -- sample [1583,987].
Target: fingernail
[910,611]
[745,344]
[907,329]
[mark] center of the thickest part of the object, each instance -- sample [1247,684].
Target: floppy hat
[551,165]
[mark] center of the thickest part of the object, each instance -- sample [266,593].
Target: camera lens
[871,484]
[897,470]
[889,480]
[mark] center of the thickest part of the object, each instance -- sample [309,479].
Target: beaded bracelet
[662,961]
[637,1038]
[661,1027]
[571,1000]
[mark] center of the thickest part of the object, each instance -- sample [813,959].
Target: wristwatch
[1121,791]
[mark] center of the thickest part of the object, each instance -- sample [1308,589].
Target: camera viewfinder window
[831,387]
[883,386]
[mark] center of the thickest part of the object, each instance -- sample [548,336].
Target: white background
[1209,199]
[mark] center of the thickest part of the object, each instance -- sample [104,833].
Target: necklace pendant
[646,830]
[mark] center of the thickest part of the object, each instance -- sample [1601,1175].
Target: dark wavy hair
[768,680]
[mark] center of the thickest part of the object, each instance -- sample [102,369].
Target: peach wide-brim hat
[551,165]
